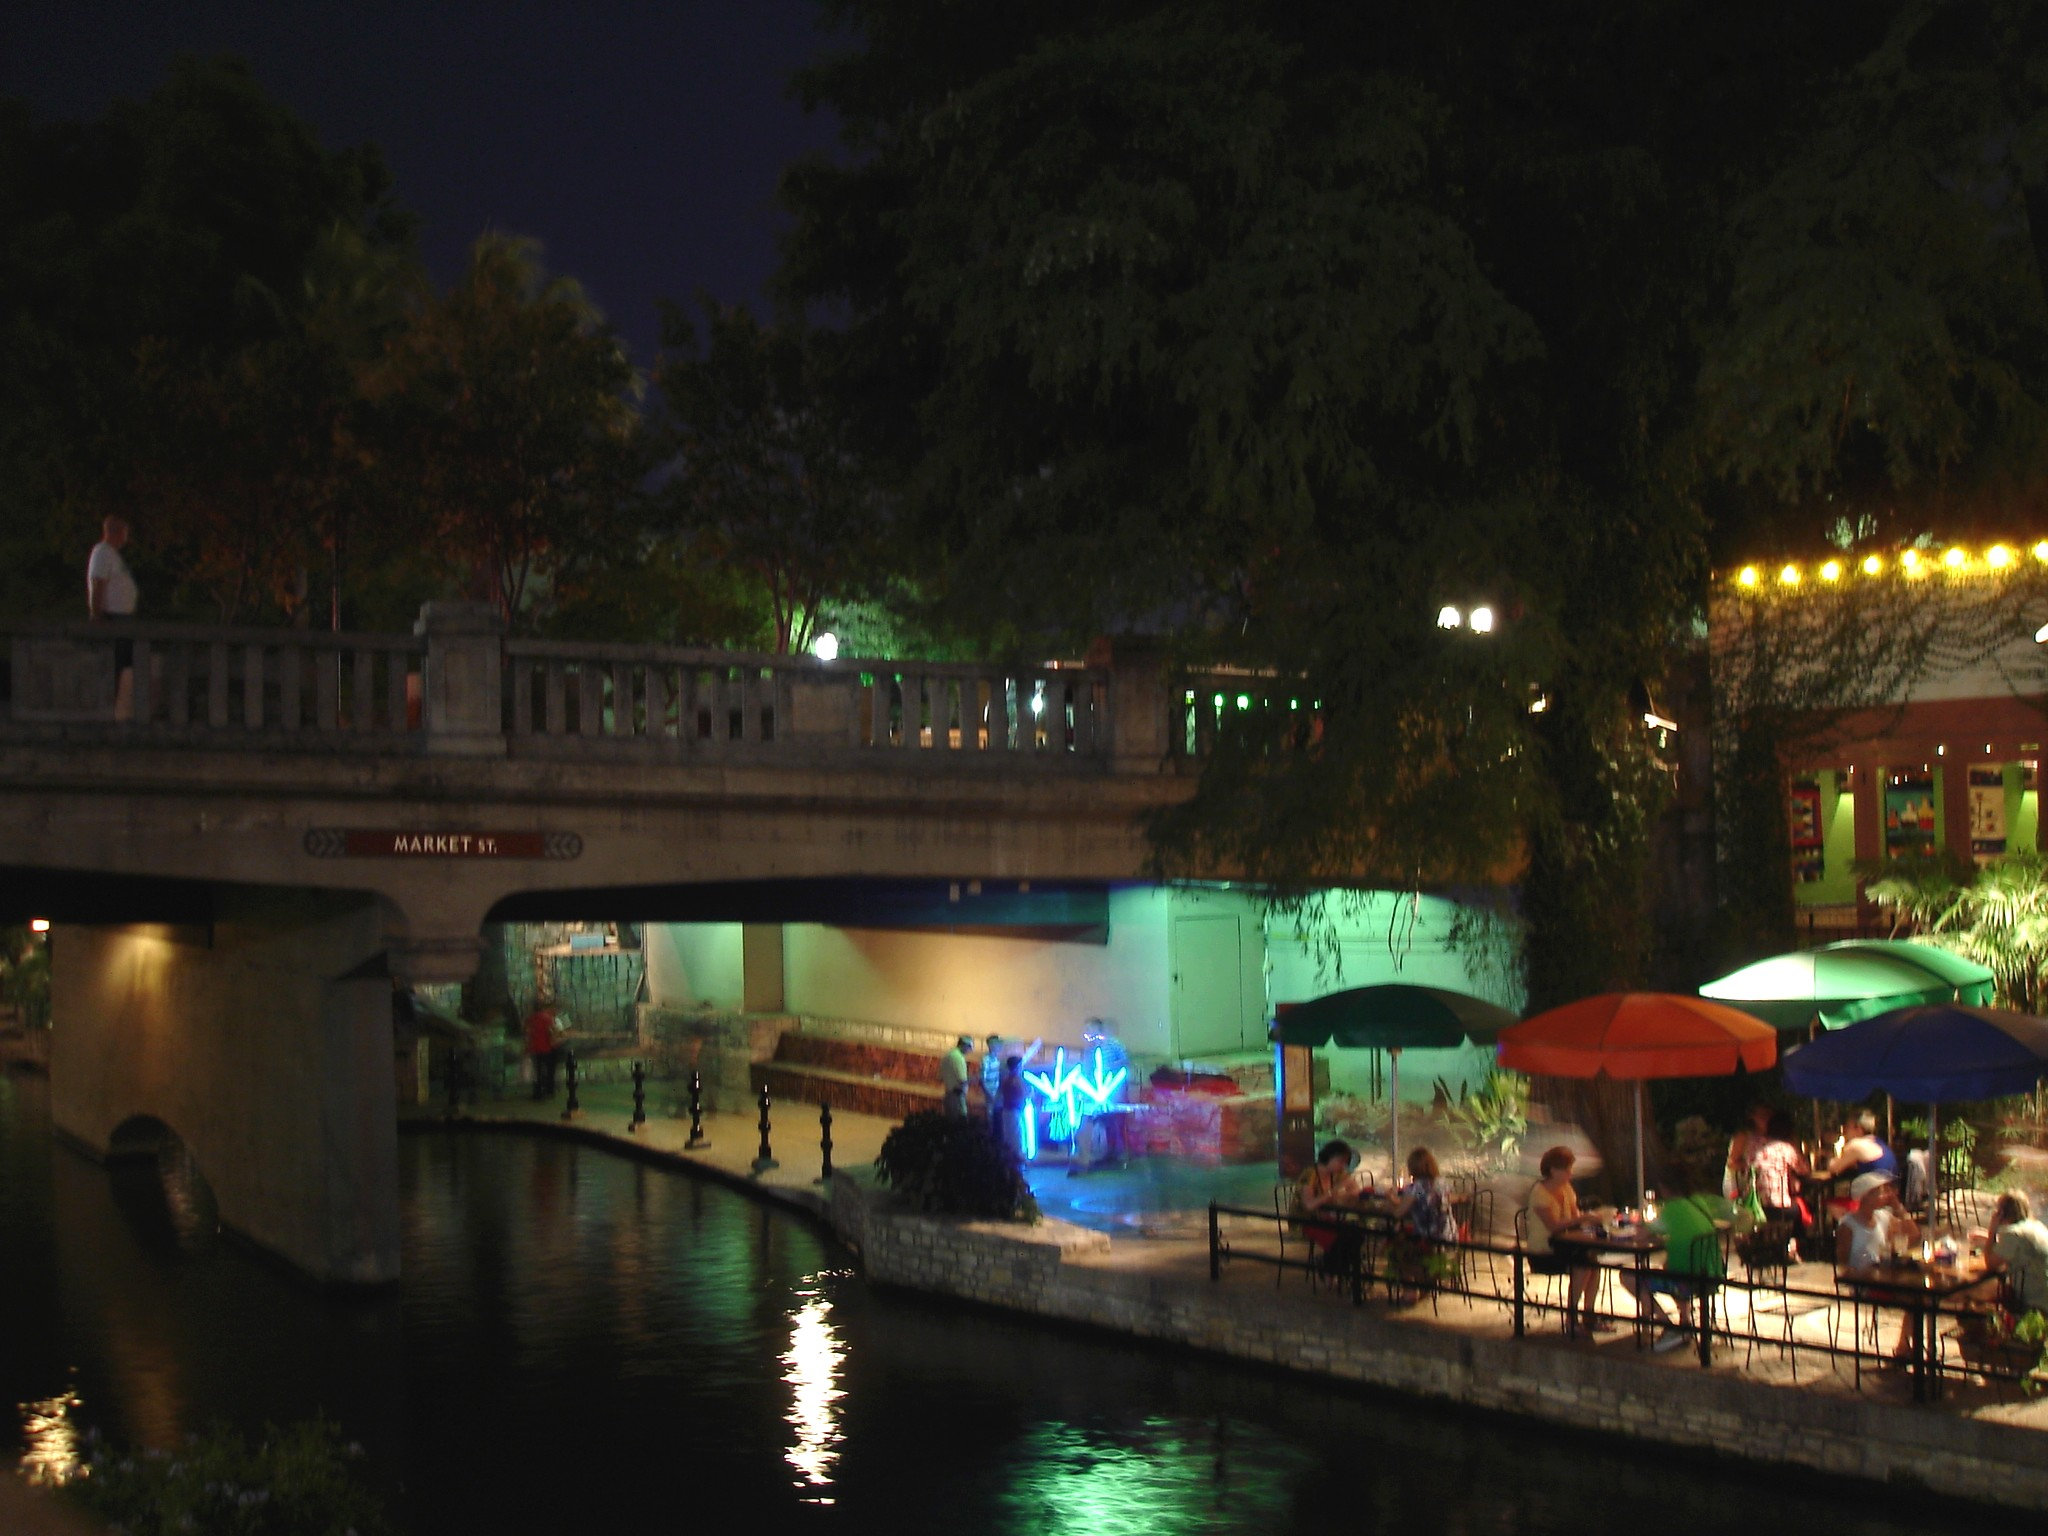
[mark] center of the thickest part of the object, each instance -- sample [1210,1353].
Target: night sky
[639,142]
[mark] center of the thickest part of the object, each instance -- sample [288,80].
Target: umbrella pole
[1639,1141]
[1394,1086]
[1933,1162]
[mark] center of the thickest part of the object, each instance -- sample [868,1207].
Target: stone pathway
[733,1141]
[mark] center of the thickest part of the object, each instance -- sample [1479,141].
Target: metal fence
[1755,1308]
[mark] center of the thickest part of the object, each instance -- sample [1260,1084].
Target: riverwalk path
[1129,1252]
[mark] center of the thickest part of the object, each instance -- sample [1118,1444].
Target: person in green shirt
[1689,1223]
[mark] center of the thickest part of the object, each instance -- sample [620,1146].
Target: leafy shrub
[954,1167]
[293,1482]
[1494,1117]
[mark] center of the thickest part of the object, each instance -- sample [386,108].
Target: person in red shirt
[544,1047]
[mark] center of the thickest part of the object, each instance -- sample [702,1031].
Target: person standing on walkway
[953,1079]
[544,1031]
[110,593]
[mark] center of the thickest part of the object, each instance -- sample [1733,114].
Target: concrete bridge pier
[264,1042]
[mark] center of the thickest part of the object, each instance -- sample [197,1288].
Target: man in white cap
[1866,1236]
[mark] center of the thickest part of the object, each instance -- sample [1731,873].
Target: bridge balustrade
[562,696]
[193,682]
[280,688]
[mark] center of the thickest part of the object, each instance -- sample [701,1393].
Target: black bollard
[573,1107]
[697,1136]
[766,1159]
[455,1082]
[825,1141]
[639,1098]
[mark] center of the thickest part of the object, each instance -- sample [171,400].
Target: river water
[583,1344]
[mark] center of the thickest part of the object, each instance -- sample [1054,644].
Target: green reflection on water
[1163,1477]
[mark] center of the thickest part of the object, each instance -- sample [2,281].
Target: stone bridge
[245,837]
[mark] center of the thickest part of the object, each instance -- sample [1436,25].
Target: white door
[1208,987]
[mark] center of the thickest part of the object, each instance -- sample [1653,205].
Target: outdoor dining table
[1372,1211]
[1918,1287]
[1636,1243]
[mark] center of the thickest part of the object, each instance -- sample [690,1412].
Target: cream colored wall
[1384,938]
[980,985]
[691,963]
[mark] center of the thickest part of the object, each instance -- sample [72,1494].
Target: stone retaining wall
[1026,1269]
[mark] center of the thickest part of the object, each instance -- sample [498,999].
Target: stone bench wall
[1032,1270]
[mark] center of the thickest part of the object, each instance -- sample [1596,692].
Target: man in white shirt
[110,594]
[109,588]
[1864,1237]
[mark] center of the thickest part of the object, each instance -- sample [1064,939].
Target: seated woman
[1423,1217]
[1742,1149]
[1553,1208]
[1330,1184]
[2018,1245]
[1692,1254]
[1775,1163]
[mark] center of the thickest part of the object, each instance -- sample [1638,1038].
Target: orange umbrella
[1631,1036]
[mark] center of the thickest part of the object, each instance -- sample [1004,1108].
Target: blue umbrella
[1932,1054]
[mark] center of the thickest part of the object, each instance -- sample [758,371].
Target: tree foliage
[1996,915]
[1281,328]
[766,480]
[512,419]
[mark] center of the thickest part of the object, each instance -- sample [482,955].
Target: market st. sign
[410,843]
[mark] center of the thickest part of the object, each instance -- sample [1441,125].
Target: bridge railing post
[462,686]
[1139,707]
[825,1143]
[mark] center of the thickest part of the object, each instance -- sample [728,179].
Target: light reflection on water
[1162,1477]
[812,1363]
[50,1440]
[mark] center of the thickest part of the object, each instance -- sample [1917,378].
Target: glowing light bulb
[1832,571]
[1998,557]
[1910,562]
[1481,621]
[826,647]
[1956,558]
[39,925]
[1872,564]
[1748,576]
[2041,551]
[1448,617]
[1789,576]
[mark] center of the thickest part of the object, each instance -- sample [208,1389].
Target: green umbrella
[1839,984]
[1394,1017]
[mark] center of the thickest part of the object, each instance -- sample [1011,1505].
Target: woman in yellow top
[1553,1207]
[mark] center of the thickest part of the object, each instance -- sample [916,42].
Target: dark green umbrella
[1394,1017]
[1839,984]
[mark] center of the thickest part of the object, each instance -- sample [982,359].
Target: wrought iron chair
[1559,1283]
[1766,1255]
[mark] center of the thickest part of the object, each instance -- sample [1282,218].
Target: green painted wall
[1837,886]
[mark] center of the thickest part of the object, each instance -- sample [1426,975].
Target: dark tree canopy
[1281,328]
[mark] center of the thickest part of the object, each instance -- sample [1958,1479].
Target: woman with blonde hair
[1553,1208]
